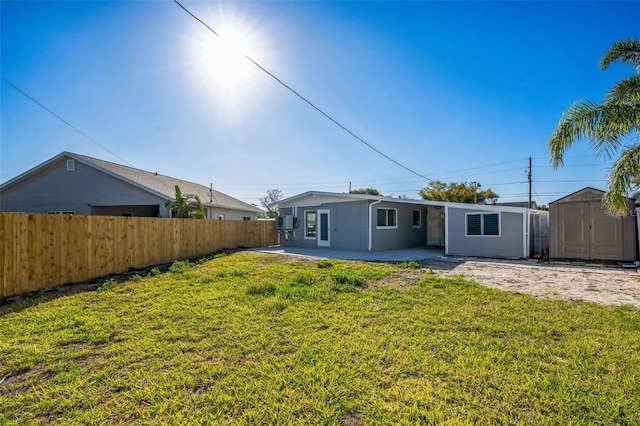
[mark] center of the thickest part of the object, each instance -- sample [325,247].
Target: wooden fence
[39,251]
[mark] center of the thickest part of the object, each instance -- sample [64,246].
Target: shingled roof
[160,185]
[165,185]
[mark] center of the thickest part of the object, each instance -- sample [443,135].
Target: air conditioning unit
[284,222]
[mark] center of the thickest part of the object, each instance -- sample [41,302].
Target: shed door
[574,230]
[606,232]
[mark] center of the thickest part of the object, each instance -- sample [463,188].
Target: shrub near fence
[39,251]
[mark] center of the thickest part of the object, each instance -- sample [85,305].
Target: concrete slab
[404,255]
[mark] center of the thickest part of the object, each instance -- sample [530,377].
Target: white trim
[419,225]
[387,227]
[526,225]
[321,242]
[446,230]
[71,165]
[315,212]
[482,234]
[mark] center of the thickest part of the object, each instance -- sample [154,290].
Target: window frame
[387,226]
[419,225]
[482,230]
[71,165]
[315,225]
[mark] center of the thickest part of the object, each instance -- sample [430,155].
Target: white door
[324,225]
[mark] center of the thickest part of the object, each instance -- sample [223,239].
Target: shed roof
[582,194]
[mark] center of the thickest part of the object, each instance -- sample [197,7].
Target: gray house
[76,184]
[582,229]
[360,222]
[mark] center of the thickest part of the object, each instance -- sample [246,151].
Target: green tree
[366,191]
[609,126]
[273,196]
[458,192]
[186,206]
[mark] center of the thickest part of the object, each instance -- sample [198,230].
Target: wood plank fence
[39,251]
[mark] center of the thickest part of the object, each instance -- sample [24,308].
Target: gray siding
[55,189]
[228,214]
[510,243]
[405,235]
[347,231]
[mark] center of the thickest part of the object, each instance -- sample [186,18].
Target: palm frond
[605,125]
[626,91]
[621,180]
[624,51]
[616,121]
[581,121]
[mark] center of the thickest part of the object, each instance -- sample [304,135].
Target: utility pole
[475,192]
[349,187]
[529,177]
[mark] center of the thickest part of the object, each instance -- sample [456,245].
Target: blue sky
[457,91]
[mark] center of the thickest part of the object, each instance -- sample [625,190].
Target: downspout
[371,222]
[527,230]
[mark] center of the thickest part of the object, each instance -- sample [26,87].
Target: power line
[311,104]
[65,121]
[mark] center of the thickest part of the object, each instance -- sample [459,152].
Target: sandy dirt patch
[599,284]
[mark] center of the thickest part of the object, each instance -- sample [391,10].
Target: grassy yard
[265,339]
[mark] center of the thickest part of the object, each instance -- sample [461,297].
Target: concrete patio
[404,255]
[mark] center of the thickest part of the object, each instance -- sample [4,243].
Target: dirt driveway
[599,284]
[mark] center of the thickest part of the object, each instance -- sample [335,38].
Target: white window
[71,165]
[310,224]
[246,218]
[482,224]
[387,218]
[220,217]
[417,219]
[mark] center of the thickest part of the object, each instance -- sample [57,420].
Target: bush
[180,266]
[409,265]
[108,285]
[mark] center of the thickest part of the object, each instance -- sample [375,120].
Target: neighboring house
[582,229]
[360,222]
[76,184]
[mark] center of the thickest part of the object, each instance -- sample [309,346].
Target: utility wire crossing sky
[456,90]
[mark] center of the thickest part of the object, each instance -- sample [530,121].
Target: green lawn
[265,339]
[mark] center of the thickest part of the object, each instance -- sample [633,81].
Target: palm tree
[609,127]
[186,206]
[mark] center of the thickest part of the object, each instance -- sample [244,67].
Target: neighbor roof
[161,185]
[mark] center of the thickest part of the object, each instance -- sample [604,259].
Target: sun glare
[223,59]
[220,64]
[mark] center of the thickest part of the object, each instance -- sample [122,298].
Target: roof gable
[159,185]
[585,194]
